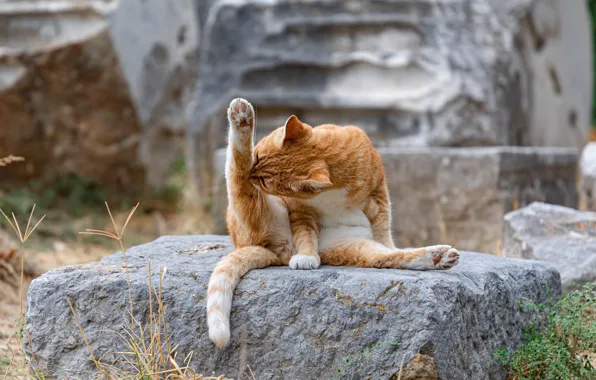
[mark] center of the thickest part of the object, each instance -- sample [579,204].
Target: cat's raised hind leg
[378,211]
[370,254]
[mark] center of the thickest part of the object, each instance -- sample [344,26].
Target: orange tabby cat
[305,196]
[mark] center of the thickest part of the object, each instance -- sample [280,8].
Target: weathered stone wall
[459,196]
[410,73]
[95,88]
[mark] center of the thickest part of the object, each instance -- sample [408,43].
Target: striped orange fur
[304,196]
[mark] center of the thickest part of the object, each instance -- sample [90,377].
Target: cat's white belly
[331,236]
[338,222]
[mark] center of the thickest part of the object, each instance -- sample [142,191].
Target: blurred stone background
[479,107]
[95,88]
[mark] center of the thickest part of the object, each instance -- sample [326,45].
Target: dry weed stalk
[515,202]
[118,236]
[441,222]
[5,161]
[95,361]
[149,355]
[401,367]
[23,237]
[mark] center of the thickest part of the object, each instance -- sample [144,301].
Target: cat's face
[288,163]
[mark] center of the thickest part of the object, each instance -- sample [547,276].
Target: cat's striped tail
[228,271]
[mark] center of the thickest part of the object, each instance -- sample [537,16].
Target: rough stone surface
[95,88]
[334,322]
[587,188]
[439,73]
[561,236]
[459,196]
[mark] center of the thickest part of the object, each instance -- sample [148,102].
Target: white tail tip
[220,335]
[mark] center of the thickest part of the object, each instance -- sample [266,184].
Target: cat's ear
[317,181]
[295,129]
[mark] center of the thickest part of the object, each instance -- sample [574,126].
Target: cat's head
[288,162]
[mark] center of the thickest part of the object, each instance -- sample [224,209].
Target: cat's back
[355,170]
[338,132]
[350,155]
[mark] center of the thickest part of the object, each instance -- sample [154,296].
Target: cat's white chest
[281,233]
[338,221]
[333,208]
[279,213]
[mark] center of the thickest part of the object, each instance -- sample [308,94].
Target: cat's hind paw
[437,257]
[448,259]
[304,262]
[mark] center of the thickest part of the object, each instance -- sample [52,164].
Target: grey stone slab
[334,322]
[561,236]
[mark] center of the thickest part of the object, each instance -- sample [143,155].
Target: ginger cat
[301,197]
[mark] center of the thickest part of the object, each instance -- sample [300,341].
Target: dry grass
[37,261]
[149,353]
[23,237]
[5,161]
[15,369]
[118,235]
[57,244]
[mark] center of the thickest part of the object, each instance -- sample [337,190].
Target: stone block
[563,237]
[333,322]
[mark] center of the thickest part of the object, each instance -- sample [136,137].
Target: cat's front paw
[241,114]
[241,117]
[437,257]
[304,262]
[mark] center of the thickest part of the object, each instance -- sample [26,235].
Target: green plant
[74,195]
[560,342]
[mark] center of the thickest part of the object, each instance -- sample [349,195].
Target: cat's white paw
[241,115]
[304,262]
[436,257]
[449,259]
